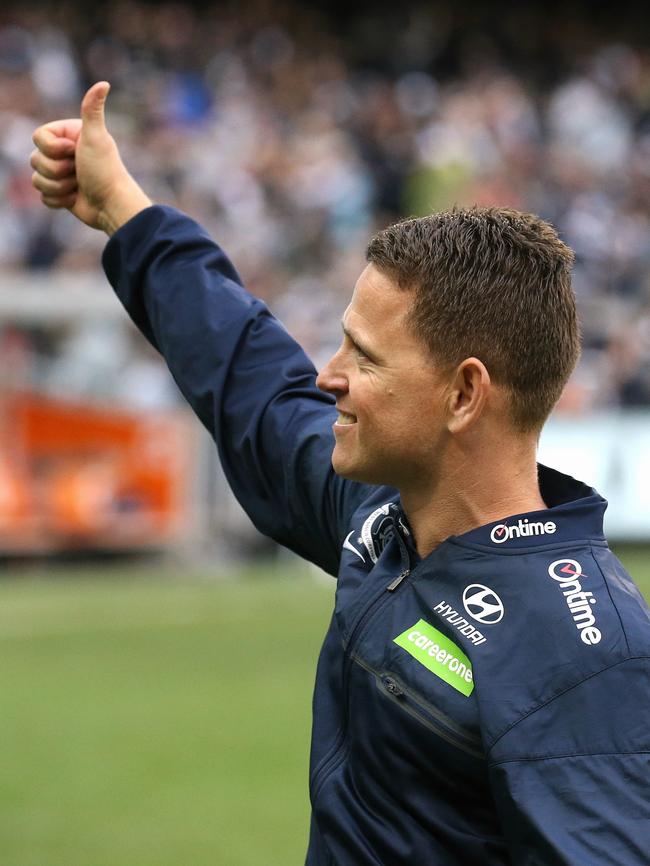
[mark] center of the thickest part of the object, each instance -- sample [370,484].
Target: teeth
[344,418]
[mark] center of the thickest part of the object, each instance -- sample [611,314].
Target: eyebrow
[358,344]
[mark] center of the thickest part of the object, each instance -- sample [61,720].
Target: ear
[468,393]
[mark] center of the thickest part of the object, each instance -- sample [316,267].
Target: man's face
[389,393]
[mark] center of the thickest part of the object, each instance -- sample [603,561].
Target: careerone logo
[439,654]
[521,529]
[567,572]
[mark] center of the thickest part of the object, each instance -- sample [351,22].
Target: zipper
[329,759]
[425,712]
[336,753]
[395,583]
[431,718]
[374,607]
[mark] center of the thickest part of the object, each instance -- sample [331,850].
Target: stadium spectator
[268,118]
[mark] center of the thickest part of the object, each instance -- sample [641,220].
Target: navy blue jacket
[487,704]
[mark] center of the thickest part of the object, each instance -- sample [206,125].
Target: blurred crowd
[292,134]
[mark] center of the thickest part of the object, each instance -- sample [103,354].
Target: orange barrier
[74,476]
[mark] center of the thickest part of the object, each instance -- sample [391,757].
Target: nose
[331,378]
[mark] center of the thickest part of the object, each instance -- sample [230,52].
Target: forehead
[377,320]
[377,302]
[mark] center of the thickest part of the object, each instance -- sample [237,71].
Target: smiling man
[482,695]
[383,383]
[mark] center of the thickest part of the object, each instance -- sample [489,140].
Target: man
[482,694]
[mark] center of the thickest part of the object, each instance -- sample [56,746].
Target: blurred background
[292,132]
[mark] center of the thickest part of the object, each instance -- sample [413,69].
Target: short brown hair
[495,284]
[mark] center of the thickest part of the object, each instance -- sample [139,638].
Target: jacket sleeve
[248,381]
[571,781]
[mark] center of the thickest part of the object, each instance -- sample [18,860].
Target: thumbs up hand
[77,166]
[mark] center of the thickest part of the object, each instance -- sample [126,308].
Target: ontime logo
[522,529]
[568,573]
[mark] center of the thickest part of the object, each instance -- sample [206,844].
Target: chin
[340,467]
[345,468]
[356,471]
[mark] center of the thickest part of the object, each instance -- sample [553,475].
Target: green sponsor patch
[439,655]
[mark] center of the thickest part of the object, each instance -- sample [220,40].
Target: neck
[472,489]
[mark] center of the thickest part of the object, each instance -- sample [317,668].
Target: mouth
[344,419]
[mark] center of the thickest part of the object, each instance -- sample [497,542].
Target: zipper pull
[392,686]
[395,583]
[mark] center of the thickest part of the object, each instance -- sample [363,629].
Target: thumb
[92,107]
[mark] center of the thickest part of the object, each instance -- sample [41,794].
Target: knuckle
[64,168]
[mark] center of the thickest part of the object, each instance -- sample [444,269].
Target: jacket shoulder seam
[567,755]
[562,693]
[614,605]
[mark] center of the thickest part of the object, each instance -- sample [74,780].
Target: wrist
[127,201]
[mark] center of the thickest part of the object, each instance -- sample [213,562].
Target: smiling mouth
[345,420]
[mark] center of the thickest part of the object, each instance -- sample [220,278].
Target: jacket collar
[575,512]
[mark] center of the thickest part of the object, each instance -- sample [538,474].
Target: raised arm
[245,377]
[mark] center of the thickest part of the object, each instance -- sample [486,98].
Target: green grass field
[147,719]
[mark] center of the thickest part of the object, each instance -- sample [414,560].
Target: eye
[356,351]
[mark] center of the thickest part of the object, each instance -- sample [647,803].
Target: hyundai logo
[483,604]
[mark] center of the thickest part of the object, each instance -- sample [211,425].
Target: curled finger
[54,187]
[59,201]
[53,145]
[55,169]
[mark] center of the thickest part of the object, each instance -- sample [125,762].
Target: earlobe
[471,386]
